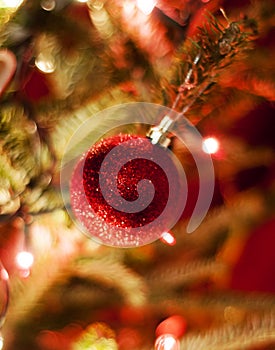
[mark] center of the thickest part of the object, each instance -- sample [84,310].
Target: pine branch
[208,55]
[57,254]
[87,66]
[18,140]
[18,157]
[65,128]
[40,200]
[111,272]
[254,77]
[220,229]
[254,332]
[248,303]
[12,180]
[25,163]
[223,308]
[183,273]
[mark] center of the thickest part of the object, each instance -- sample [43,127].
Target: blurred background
[62,62]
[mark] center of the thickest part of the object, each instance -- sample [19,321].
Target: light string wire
[158,133]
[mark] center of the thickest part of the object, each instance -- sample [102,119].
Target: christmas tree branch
[257,331]
[130,285]
[213,50]
[183,273]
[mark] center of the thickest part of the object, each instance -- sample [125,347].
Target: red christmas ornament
[127,179]
[126,192]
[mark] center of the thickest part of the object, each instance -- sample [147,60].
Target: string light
[146,6]
[168,238]
[167,342]
[45,63]
[24,260]
[210,145]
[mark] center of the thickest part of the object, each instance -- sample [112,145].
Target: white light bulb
[146,6]
[24,260]
[167,342]
[168,238]
[45,62]
[210,145]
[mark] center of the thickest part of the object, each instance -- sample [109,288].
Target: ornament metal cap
[158,134]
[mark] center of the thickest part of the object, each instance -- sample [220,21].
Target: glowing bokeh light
[210,145]
[1,342]
[10,4]
[24,260]
[45,63]
[168,238]
[146,6]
